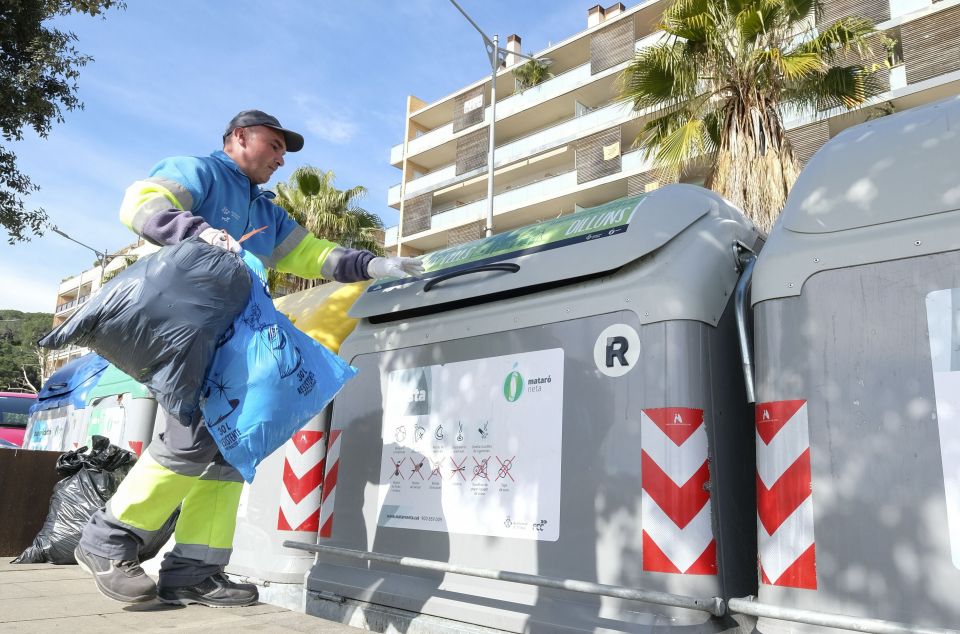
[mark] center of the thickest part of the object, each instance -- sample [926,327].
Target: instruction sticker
[943,321]
[46,434]
[474,447]
[108,422]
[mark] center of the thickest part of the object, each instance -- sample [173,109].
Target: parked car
[14,414]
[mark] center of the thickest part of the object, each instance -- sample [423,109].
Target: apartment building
[567,142]
[76,290]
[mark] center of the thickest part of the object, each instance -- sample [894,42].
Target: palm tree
[530,74]
[720,81]
[309,196]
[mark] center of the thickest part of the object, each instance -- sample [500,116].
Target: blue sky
[168,75]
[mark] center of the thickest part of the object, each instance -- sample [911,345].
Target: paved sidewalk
[44,598]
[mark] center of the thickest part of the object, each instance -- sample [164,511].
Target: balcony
[555,192]
[901,7]
[61,308]
[554,87]
[522,101]
[540,141]
[68,351]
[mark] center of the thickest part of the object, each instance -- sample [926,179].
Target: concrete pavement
[44,598]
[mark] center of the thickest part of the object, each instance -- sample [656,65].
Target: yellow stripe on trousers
[209,514]
[149,494]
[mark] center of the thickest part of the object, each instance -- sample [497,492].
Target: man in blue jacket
[218,199]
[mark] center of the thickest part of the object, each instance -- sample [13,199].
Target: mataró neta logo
[412,391]
[513,386]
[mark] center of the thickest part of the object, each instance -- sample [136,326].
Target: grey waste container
[563,400]
[856,321]
[122,410]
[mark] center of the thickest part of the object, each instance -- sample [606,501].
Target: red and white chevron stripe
[675,503]
[784,496]
[302,480]
[330,484]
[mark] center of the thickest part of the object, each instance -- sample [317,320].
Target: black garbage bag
[160,319]
[90,479]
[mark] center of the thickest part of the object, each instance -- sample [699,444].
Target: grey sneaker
[214,592]
[118,580]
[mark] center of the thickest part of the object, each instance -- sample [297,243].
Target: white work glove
[394,267]
[220,238]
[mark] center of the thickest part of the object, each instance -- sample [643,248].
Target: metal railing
[71,304]
[748,607]
[714,606]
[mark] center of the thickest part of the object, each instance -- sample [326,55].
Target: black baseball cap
[249,118]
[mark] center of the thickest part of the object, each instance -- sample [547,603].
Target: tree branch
[26,380]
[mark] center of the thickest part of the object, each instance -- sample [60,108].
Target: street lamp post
[101,255]
[497,56]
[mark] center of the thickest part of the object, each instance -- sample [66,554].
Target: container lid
[586,243]
[70,384]
[890,169]
[883,190]
[114,381]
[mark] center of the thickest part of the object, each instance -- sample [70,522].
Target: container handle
[746,261]
[508,267]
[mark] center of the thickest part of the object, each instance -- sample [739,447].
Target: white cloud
[332,128]
[330,123]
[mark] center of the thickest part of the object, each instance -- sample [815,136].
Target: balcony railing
[71,304]
[902,7]
[68,351]
[554,186]
[508,194]
[562,83]
[564,132]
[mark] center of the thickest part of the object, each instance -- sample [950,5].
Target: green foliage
[19,333]
[112,273]
[328,213]
[39,67]
[717,85]
[530,74]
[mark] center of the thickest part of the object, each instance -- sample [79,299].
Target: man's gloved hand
[220,238]
[394,267]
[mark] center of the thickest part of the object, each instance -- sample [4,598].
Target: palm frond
[840,38]
[679,135]
[530,74]
[793,66]
[713,126]
[847,86]
[797,11]
[692,20]
[659,75]
[688,141]
[311,199]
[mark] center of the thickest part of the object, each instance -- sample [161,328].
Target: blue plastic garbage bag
[266,381]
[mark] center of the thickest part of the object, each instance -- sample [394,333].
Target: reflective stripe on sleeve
[283,249]
[308,257]
[146,197]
